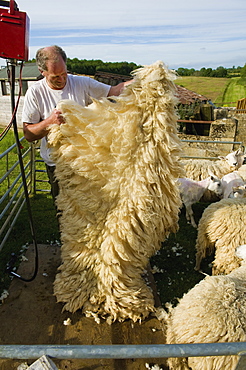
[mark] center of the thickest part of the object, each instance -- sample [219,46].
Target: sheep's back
[209,313]
[221,227]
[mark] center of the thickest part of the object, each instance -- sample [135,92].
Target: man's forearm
[117,89]
[36,131]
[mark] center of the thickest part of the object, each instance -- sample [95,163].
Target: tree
[243,71]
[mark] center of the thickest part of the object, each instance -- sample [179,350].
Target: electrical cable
[18,145]
[7,128]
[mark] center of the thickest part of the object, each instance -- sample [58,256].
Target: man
[39,110]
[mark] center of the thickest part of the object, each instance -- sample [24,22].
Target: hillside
[222,91]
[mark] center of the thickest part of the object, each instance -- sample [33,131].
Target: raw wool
[117,166]
[221,228]
[198,169]
[242,172]
[213,311]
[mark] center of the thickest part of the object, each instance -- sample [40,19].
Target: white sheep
[198,169]
[221,229]
[117,163]
[191,192]
[213,311]
[232,179]
[239,191]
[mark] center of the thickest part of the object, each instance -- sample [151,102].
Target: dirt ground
[31,315]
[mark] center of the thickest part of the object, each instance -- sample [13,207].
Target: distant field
[222,91]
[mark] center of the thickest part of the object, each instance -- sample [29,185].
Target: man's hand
[56,117]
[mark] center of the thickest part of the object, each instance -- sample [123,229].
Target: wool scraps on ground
[117,162]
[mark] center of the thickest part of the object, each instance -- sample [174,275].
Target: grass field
[222,91]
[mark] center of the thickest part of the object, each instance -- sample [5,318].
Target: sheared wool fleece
[117,165]
[213,311]
[221,228]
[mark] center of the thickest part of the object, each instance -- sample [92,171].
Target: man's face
[56,74]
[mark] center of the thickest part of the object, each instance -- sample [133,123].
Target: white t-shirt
[40,100]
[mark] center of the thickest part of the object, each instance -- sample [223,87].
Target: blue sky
[189,34]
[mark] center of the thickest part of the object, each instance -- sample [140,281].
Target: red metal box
[14,34]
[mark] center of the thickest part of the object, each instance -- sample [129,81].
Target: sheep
[117,163]
[198,169]
[191,192]
[239,191]
[213,311]
[221,228]
[242,172]
[232,179]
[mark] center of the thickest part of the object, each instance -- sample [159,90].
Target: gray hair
[43,55]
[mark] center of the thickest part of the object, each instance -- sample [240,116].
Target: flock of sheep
[122,185]
[214,309]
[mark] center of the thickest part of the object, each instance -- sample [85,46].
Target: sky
[181,33]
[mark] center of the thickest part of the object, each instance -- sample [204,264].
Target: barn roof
[30,72]
[186,96]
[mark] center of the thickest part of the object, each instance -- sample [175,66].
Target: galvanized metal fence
[12,192]
[118,351]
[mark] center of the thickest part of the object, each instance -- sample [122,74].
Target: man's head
[51,62]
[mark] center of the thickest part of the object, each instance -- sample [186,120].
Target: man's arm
[36,131]
[117,89]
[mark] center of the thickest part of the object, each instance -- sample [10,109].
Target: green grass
[43,210]
[46,230]
[222,91]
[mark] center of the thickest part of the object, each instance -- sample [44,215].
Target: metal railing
[40,177]
[12,191]
[125,351]
[208,142]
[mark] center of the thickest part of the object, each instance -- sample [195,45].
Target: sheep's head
[215,184]
[234,159]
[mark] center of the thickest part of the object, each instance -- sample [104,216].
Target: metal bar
[10,148]
[211,158]
[10,215]
[13,197]
[212,141]
[191,121]
[11,226]
[121,351]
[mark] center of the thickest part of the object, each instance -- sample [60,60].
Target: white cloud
[191,33]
